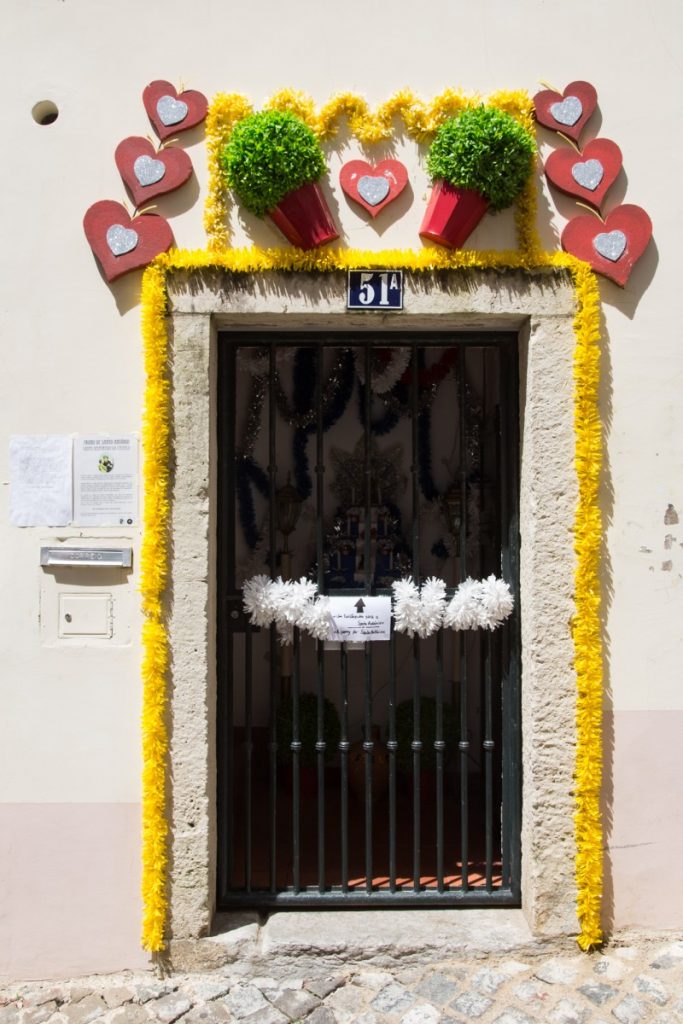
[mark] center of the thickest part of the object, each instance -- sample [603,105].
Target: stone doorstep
[385,938]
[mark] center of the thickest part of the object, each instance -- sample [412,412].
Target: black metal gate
[388,773]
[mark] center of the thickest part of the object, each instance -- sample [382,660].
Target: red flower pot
[452,214]
[304,217]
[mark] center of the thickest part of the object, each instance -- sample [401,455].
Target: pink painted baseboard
[69,890]
[643,819]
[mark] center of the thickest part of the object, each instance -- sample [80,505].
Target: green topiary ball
[269,155]
[486,150]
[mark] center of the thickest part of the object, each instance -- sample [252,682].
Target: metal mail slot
[122,557]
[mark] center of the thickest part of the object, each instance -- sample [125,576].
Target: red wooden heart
[567,112]
[147,173]
[587,176]
[170,111]
[611,248]
[373,188]
[121,243]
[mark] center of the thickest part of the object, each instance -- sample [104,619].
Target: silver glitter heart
[373,190]
[148,171]
[610,244]
[588,174]
[121,240]
[171,111]
[568,111]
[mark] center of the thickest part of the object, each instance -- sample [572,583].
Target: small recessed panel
[85,615]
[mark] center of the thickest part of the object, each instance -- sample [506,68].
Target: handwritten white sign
[360,619]
[40,472]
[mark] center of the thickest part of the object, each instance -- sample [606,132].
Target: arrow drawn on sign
[360,605]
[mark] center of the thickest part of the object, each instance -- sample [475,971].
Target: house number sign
[375,289]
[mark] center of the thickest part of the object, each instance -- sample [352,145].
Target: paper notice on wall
[106,481]
[40,480]
[360,619]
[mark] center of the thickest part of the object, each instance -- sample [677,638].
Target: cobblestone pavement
[628,983]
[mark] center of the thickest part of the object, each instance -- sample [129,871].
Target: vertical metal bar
[439,746]
[367,471]
[498,641]
[463,744]
[344,766]
[368,754]
[510,631]
[272,541]
[462,400]
[503,511]
[320,744]
[296,755]
[392,747]
[321,748]
[414,468]
[417,741]
[227,416]
[319,469]
[417,749]
[229,777]
[248,749]
[225,585]
[367,656]
[488,761]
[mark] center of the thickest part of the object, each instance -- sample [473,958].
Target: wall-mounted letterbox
[86,593]
[95,557]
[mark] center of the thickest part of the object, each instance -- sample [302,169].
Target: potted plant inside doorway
[478,160]
[274,162]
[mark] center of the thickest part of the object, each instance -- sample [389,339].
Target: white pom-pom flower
[497,602]
[316,618]
[418,611]
[293,597]
[286,603]
[432,606]
[463,609]
[257,601]
[406,610]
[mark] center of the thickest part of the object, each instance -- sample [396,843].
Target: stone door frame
[540,308]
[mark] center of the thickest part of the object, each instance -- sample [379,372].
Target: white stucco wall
[69,759]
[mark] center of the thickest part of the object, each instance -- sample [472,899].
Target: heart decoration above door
[147,173]
[587,175]
[122,243]
[566,112]
[373,187]
[170,111]
[611,248]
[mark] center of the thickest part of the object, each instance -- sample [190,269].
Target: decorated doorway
[383,771]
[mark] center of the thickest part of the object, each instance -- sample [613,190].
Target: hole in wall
[45,112]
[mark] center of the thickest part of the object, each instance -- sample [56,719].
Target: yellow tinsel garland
[587,538]
[153,575]
[586,622]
